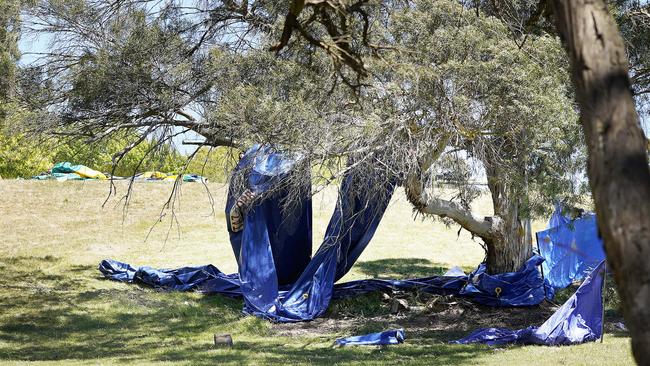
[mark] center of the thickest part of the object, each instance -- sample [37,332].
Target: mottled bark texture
[618,164]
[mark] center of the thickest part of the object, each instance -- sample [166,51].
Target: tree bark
[618,165]
[508,247]
[503,234]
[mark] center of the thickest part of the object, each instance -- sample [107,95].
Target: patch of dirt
[437,318]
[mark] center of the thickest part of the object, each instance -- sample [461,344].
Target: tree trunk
[509,244]
[618,164]
[508,247]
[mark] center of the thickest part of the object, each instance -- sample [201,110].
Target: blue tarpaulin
[578,320]
[208,279]
[570,247]
[277,278]
[286,231]
[393,336]
[522,288]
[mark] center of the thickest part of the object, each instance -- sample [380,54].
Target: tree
[147,77]
[618,161]
[344,32]
[504,106]
[633,19]
[9,54]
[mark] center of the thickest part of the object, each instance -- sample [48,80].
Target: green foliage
[9,54]
[455,75]
[633,19]
[504,105]
[20,156]
[213,163]
[146,156]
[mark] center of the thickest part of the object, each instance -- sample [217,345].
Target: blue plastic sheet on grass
[206,279]
[280,281]
[525,287]
[393,336]
[513,289]
[570,247]
[578,320]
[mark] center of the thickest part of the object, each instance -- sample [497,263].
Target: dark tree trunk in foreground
[618,164]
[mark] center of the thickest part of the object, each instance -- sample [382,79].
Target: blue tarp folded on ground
[208,279]
[393,336]
[277,277]
[570,247]
[578,320]
[522,288]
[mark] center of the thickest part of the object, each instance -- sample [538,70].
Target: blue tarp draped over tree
[277,278]
[286,230]
[578,320]
[570,247]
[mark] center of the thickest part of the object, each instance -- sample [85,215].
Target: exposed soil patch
[428,317]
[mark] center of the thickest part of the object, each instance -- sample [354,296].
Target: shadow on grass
[60,316]
[269,353]
[400,268]
[50,311]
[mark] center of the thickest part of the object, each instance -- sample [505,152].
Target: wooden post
[221,340]
[603,291]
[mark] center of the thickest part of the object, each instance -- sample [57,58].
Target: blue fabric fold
[207,279]
[522,288]
[355,219]
[393,336]
[277,277]
[578,320]
[286,229]
[291,299]
[570,247]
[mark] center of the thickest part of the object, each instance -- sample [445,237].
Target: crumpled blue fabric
[207,279]
[393,336]
[438,285]
[570,247]
[522,288]
[350,229]
[287,230]
[117,271]
[280,281]
[578,320]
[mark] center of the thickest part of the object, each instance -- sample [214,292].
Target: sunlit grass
[55,307]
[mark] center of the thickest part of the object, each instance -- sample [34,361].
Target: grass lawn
[56,309]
